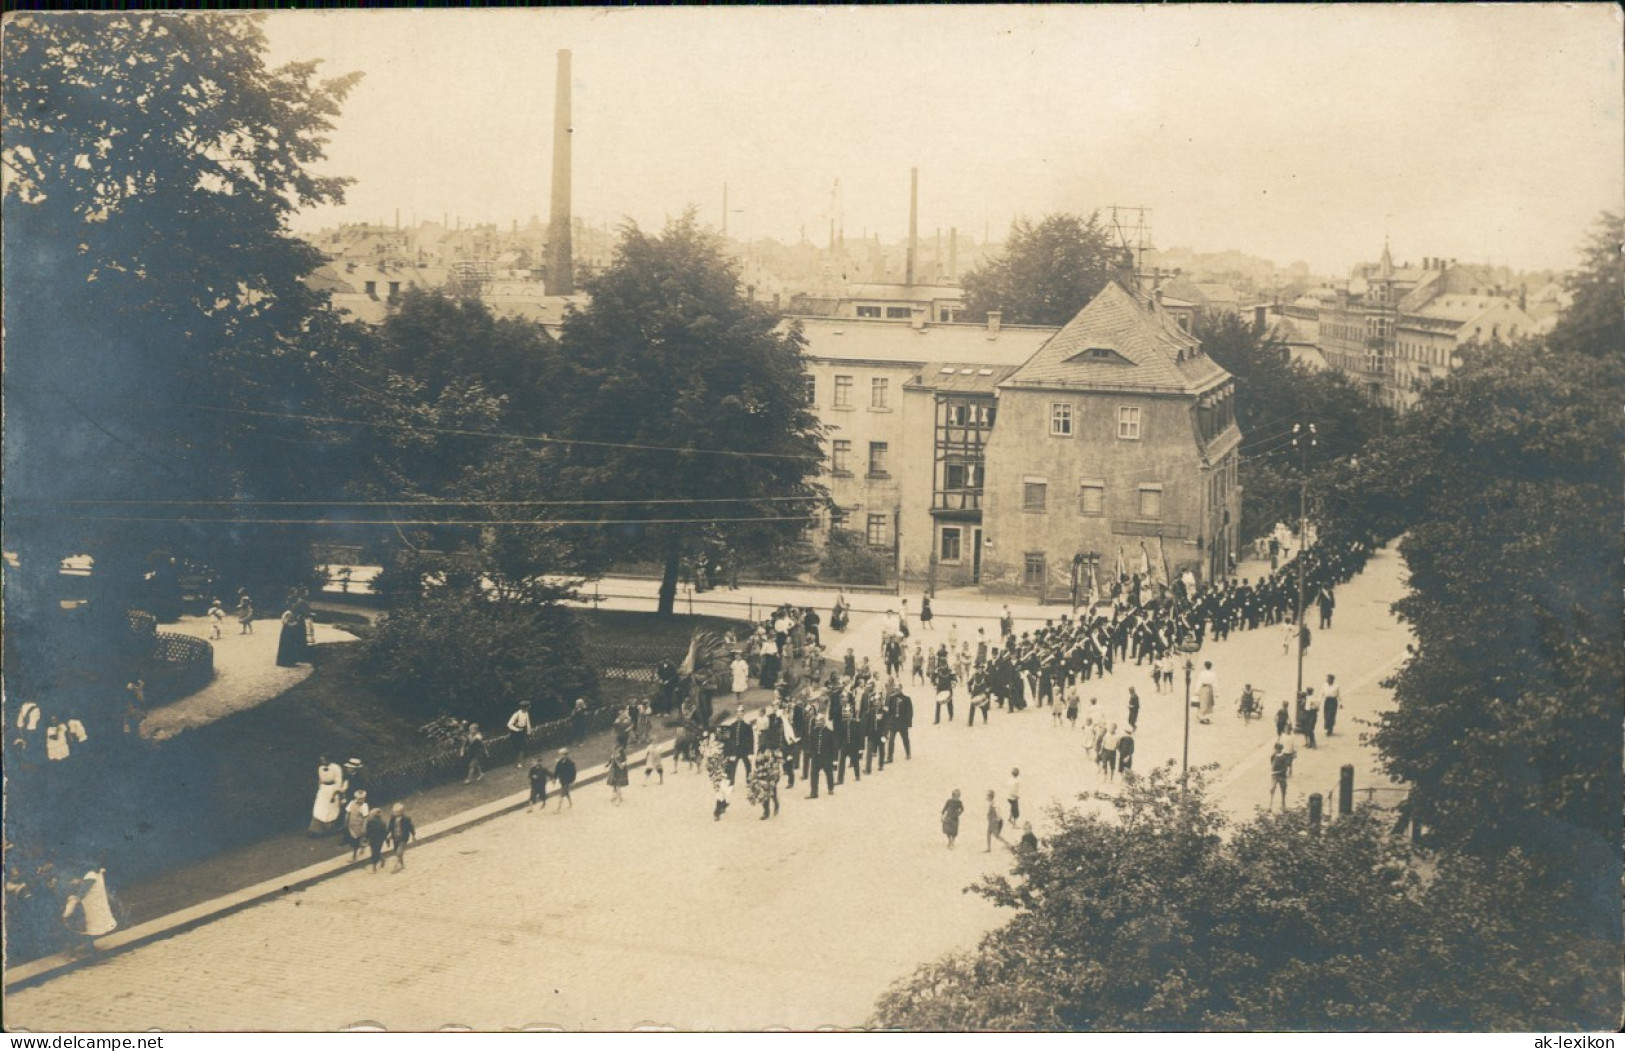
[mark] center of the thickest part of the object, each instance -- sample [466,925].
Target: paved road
[651,913]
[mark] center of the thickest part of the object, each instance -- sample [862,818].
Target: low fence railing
[450,763]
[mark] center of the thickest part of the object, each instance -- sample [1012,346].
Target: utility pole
[1303,439]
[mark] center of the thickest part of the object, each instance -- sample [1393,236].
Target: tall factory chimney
[561,280]
[913,220]
[953,253]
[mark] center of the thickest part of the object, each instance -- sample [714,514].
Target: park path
[607,917]
[245,674]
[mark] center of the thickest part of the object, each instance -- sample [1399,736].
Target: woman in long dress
[290,645]
[950,817]
[327,810]
[88,911]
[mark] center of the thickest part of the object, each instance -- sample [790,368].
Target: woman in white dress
[328,807]
[88,911]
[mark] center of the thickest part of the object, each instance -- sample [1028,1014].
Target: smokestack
[953,253]
[561,263]
[913,220]
[724,210]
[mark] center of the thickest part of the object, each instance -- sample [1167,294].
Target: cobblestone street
[651,913]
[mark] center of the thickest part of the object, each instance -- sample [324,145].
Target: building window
[878,391]
[840,457]
[1032,574]
[843,392]
[372,289]
[812,389]
[877,533]
[868,312]
[1034,495]
[1128,423]
[950,544]
[955,476]
[1092,496]
[394,289]
[1060,419]
[900,312]
[1150,501]
[877,459]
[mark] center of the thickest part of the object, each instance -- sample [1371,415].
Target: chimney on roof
[994,319]
[913,221]
[561,262]
[916,317]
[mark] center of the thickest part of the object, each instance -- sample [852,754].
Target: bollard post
[1345,790]
[1315,803]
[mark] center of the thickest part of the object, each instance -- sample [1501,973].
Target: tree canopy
[1507,725]
[1156,915]
[158,328]
[1272,394]
[1048,270]
[687,404]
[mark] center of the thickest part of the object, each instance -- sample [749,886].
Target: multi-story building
[1357,327]
[871,384]
[946,441]
[1119,432]
[1451,307]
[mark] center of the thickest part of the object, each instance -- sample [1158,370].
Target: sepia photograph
[495,499]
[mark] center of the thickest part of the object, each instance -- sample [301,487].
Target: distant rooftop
[866,340]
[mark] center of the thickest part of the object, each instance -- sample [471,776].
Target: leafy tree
[1595,322]
[1155,916]
[1272,394]
[152,161]
[687,404]
[456,405]
[1507,724]
[1048,271]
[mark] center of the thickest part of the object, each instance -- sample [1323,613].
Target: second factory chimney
[913,220]
[561,280]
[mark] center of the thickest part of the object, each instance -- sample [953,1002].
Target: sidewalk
[218,886]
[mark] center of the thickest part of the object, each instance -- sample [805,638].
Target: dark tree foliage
[1272,394]
[1154,916]
[151,282]
[699,402]
[1508,719]
[456,406]
[1594,324]
[1048,272]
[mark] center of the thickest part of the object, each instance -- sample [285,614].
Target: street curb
[35,972]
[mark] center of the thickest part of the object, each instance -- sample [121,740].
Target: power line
[425,503]
[542,438]
[187,520]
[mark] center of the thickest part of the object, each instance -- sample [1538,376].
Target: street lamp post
[1303,439]
[1187,646]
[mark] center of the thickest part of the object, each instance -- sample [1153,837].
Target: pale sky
[1490,134]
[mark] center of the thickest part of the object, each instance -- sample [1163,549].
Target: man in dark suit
[1327,602]
[821,749]
[901,717]
[850,737]
[739,743]
[872,717]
